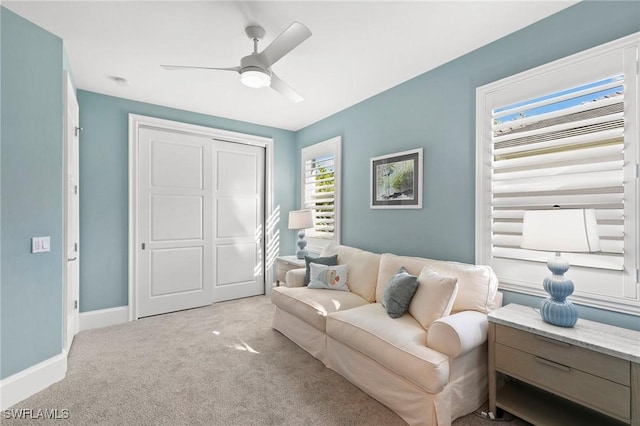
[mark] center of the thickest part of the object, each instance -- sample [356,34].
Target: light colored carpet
[218,365]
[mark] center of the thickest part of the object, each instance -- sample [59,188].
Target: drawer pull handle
[553,364]
[552,341]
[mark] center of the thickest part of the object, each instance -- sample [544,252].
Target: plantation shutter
[320,191]
[563,149]
[565,133]
[319,194]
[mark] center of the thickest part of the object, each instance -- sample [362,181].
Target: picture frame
[396,180]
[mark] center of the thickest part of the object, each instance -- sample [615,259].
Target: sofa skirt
[469,383]
[304,335]
[465,392]
[411,402]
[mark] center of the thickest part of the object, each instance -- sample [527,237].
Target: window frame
[564,73]
[333,147]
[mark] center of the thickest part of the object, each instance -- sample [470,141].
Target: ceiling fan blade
[184,67]
[284,43]
[281,87]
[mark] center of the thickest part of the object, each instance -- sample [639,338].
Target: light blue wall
[436,111]
[104,188]
[32,195]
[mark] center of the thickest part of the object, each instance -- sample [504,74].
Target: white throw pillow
[477,285]
[434,297]
[329,277]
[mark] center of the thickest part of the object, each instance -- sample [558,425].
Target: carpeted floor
[217,365]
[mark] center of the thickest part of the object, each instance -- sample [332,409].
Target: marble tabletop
[607,339]
[292,260]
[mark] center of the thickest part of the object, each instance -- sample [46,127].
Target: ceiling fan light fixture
[255,68]
[255,78]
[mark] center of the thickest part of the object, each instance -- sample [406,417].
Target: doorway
[198,202]
[71,260]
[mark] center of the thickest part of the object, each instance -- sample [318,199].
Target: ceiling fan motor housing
[253,61]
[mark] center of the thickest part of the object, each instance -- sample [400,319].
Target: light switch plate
[40,244]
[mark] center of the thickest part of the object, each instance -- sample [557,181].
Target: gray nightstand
[548,375]
[286,263]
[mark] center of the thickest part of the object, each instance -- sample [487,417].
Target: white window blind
[563,134]
[321,191]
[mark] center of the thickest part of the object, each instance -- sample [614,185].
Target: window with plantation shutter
[321,192]
[563,134]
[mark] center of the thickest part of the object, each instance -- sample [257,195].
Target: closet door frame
[135,123]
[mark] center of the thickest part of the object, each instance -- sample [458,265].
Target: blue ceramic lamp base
[557,310]
[302,243]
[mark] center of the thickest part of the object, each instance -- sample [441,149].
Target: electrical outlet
[40,244]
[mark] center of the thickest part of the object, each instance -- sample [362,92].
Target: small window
[321,192]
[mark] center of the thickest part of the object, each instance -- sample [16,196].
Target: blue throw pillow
[399,292]
[329,261]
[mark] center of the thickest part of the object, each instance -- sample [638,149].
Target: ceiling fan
[255,69]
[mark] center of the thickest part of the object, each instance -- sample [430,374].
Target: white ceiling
[357,49]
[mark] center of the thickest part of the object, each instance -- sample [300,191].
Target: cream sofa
[427,376]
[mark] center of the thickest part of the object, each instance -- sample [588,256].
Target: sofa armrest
[457,334]
[295,278]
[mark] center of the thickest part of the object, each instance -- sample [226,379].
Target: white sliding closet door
[175,221]
[239,235]
[200,221]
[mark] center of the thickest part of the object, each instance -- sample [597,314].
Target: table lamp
[301,219]
[568,230]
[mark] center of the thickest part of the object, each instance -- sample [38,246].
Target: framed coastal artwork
[396,180]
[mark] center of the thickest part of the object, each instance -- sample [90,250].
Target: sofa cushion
[312,305]
[329,277]
[363,268]
[397,344]
[329,260]
[434,297]
[399,292]
[389,265]
[477,285]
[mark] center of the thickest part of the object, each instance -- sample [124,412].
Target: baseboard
[27,382]
[103,318]
[32,380]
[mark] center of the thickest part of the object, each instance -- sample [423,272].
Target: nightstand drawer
[605,366]
[600,394]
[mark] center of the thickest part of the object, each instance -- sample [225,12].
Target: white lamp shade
[300,219]
[570,230]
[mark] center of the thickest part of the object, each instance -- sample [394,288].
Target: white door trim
[135,122]
[70,326]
